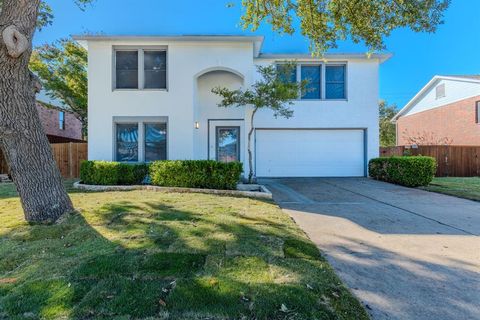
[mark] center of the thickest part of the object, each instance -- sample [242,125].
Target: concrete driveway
[405,253]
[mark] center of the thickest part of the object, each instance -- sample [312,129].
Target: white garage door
[310,153]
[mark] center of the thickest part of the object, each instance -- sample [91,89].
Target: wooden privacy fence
[452,161]
[67,155]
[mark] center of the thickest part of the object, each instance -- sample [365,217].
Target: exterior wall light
[197,125]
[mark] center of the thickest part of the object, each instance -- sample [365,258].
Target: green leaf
[325,22]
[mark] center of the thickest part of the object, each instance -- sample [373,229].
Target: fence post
[70,160]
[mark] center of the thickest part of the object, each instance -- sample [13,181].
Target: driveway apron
[405,253]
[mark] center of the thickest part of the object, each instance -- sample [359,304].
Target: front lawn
[468,188]
[141,254]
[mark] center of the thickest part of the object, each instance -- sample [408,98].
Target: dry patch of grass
[140,254]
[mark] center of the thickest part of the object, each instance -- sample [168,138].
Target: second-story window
[287,74]
[61,120]
[477,111]
[126,69]
[140,69]
[155,67]
[313,75]
[335,82]
[324,81]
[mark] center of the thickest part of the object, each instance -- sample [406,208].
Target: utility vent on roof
[440,91]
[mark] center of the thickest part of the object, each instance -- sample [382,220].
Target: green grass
[468,188]
[148,255]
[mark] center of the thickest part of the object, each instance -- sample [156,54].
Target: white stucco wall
[188,98]
[359,110]
[455,90]
[184,62]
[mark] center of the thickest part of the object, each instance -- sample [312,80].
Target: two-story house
[444,112]
[150,99]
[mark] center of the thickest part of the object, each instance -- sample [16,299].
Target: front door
[227,144]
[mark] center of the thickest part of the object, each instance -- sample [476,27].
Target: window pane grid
[127,142]
[155,141]
[126,69]
[313,75]
[328,83]
[140,69]
[155,69]
[334,82]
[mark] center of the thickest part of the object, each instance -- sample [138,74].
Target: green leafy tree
[22,139]
[272,91]
[325,22]
[387,128]
[62,69]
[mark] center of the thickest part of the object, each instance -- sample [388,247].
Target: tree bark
[22,139]
[251,174]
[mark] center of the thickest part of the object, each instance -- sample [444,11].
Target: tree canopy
[45,13]
[387,128]
[62,69]
[325,22]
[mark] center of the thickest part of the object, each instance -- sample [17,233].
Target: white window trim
[140,121]
[323,83]
[141,67]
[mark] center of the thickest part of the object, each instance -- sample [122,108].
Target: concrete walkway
[406,253]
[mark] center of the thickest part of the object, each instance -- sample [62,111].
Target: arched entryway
[220,130]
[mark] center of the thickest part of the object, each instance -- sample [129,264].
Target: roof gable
[471,84]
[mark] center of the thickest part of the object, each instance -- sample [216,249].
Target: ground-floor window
[155,141]
[127,142]
[140,141]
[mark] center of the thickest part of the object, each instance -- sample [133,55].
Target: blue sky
[454,49]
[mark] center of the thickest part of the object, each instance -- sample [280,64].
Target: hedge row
[109,173]
[407,171]
[206,174]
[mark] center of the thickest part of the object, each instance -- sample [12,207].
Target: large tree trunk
[22,138]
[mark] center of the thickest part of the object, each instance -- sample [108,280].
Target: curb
[264,194]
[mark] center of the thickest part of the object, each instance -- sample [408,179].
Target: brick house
[59,124]
[445,112]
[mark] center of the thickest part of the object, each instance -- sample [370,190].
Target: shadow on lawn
[152,260]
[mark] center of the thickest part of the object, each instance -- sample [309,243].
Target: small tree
[273,91]
[387,128]
[62,69]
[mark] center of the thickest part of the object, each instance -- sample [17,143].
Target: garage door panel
[309,153]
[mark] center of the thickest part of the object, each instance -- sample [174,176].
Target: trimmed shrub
[406,171]
[108,173]
[207,174]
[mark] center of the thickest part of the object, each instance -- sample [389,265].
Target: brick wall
[50,121]
[455,123]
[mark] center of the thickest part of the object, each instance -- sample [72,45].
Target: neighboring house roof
[477,77]
[429,85]
[44,98]
[257,41]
